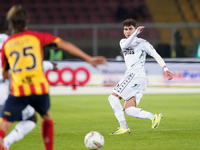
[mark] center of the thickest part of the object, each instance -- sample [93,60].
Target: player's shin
[47,134]
[18,133]
[138,113]
[2,135]
[118,111]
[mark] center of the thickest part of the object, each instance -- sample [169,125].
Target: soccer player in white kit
[133,85]
[4,84]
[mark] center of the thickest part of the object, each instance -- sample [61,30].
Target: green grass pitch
[75,116]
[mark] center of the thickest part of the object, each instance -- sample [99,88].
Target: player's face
[128,30]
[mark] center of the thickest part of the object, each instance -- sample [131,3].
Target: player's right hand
[98,60]
[139,29]
[169,75]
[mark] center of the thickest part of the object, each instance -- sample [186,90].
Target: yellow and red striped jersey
[24,54]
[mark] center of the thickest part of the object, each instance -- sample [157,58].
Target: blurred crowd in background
[172,26]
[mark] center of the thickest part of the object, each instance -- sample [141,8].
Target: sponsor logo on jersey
[129,52]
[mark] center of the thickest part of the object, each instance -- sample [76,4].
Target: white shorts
[4,91]
[130,86]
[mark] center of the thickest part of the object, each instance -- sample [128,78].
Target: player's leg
[114,101]
[131,110]
[11,112]
[47,131]
[131,103]
[4,127]
[42,105]
[23,127]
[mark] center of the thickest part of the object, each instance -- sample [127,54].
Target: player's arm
[161,62]
[4,64]
[6,75]
[5,72]
[129,40]
[74,50]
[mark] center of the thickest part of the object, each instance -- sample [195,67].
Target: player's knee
[130,103]
[5,125]
[113,98]
[47,116]
[33,118]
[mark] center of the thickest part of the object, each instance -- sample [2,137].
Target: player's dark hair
[3,24]
[17,17]
[129,22]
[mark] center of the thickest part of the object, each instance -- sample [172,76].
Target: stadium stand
[180,11]
[195,5]
[102,11]
[71,11]
[158,9]
[78,12]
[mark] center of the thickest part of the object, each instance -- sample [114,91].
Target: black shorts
[12,110]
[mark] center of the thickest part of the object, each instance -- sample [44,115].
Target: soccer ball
[94,140]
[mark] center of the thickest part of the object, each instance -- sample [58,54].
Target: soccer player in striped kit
[28,122]
[133,85]
[23,52]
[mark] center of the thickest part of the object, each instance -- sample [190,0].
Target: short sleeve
[48,38]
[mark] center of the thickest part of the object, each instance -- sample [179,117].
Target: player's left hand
[169,75]
[98,60]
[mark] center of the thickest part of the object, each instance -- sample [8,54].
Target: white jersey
[4,85]
[3,38]
[135,54]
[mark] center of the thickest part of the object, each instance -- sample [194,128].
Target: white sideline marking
[96,90]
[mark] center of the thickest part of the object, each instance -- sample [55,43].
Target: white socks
[138,113]
[118,111]
[20,130]
[131,111]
